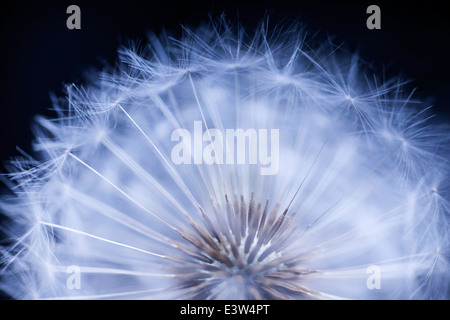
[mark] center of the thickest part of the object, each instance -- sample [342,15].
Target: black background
[38,54]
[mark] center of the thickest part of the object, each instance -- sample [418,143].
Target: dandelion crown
[127,196]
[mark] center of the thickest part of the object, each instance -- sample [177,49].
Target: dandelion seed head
[360,185]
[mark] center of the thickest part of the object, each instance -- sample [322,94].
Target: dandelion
[355,207]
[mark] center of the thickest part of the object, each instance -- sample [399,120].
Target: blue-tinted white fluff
[101,211]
